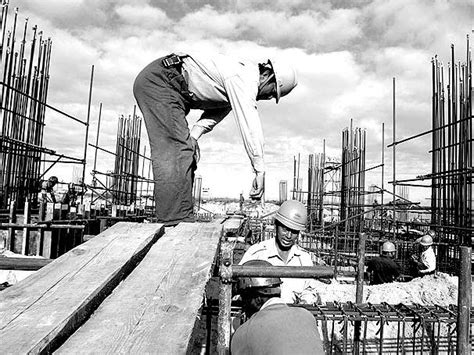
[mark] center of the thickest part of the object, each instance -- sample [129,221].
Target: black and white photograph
[236,177]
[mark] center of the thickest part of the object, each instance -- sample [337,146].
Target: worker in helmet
[169,87]
[384,269]
[282,250]
[47,190]
[425,259]
[272,326]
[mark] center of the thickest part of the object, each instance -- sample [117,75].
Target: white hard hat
[426,240]
[285,77]
[388,247]
[292,214]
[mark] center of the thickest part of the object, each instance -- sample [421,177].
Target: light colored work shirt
[219,84]
[428,258]
[292,290]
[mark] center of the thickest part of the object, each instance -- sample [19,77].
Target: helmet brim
[289,223]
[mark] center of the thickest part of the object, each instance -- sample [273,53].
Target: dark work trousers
[159,92]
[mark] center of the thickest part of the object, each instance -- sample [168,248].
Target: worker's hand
[258,186]
[197,151]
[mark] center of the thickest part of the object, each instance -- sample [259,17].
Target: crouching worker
[283,250]
[383,269]
[272,327]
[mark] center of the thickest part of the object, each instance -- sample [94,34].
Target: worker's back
[383,269]
[278,329]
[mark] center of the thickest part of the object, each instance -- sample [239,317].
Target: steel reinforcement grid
[387,329]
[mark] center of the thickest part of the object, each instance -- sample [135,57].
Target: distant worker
[282,250]
[383,269]
[169,87]
[425,259]
[272,327]
[71,195]
[47,190]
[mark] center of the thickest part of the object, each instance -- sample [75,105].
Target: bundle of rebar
[24,89]
[316,189]
[126,159]
[452,155]
[353,178]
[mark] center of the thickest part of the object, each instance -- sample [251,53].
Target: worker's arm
[242,97]
[209,119]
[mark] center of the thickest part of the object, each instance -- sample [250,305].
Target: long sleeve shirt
[220,84]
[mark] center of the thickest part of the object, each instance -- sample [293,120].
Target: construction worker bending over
[169,87]
[383,269]
[272,327]
[425,259]
[47,190]
[282,250]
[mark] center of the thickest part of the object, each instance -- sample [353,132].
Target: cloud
[312,30]
[144,16]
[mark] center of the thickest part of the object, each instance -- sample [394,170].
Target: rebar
[126,159]
[353,178]
[22,108]
[451,176]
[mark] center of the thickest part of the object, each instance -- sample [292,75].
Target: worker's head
[388,249]
[290,220]
[255,291]
[276,80]
[53,180]
[426,241]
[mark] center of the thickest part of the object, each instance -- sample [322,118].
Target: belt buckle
[172,61]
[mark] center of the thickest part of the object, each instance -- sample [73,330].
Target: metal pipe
[87,135]
[394,158]
[94,179]
[282,271]
[383,177]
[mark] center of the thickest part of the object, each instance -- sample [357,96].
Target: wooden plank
[38,313]
[23,263]
[155,308]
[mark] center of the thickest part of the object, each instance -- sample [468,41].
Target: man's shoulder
[260,247]
[302,250]
[256,251]
[304,255]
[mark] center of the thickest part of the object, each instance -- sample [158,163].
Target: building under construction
[107,278]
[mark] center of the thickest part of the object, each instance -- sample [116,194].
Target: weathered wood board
[7,263]
[154,310]
[39,312]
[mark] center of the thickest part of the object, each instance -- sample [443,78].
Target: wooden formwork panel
[41,311]
[154,310]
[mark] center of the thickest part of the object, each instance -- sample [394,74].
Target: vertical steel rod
[87,134]
[394,160]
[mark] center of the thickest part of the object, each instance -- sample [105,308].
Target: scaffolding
[24,92]
[125,184]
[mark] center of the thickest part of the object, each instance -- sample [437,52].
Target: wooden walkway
[153,310]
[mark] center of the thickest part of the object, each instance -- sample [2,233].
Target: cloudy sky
[346,54]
